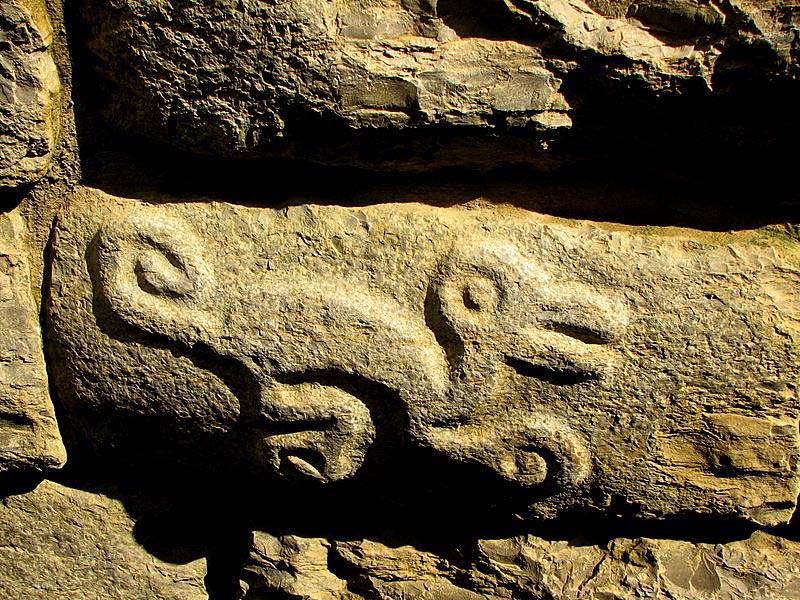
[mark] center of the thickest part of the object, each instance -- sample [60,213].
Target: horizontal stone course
[578,365]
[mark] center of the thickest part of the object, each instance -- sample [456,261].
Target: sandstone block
[29,92]
[575,364]
[29,436]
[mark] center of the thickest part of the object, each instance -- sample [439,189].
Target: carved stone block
[574,364]
[29,437]
[61,543]
[29,92]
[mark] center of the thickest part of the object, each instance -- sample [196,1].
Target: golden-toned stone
[575,364]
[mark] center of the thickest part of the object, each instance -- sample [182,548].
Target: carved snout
[313,431]
[495,299]
[567,337]
[528,451]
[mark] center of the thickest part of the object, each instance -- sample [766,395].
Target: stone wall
[396,299]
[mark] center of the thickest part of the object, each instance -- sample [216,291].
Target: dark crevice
[226,557]
[388,413]
[285,427]
[12,197]
[15,421]
[487,19]
[237,377]
[18,482]
[550,375]
[676,22]
[712,194]
[352,575]
[270,594]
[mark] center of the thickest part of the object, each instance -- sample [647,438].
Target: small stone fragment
[307,578]
[762,566]
[29,436]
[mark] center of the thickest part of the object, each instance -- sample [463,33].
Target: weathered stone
[763,566]
[29,92]
[575,364]
[29,437]
[63,543]
[307,575]
[774,22]
[415,85]
[314,340]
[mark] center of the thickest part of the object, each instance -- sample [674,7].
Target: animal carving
[498,310]
[489,310]
[570,366]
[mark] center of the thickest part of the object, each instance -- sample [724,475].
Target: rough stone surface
[29,92]
[399,299]
[577,365]
[412,84]
[29,436]
[63,543]
[763,566]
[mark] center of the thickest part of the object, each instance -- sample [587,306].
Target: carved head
[500,311]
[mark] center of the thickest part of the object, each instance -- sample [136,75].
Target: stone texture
[770,22]
[29,92]
[29,436]
[763,566]
[410,84]
[63,543]
[444,399]
[572,364]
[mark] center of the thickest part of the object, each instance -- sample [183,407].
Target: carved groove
[549,374]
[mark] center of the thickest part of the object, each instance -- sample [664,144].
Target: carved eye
[475,281]
[469,300]
[162,272]
[480,294]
